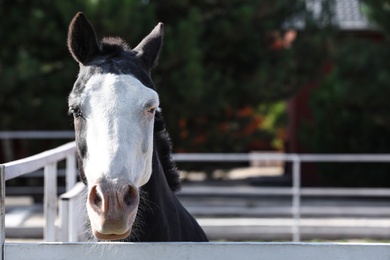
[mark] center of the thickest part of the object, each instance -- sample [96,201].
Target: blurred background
[234,76]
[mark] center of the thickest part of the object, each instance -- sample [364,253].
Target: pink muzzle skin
[112,208]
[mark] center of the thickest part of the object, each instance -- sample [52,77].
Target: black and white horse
[124,151]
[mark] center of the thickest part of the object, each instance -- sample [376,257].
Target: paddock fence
[196,251]
[63,226]
[296,191]
[48,161]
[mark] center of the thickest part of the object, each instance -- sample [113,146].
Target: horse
[123,148]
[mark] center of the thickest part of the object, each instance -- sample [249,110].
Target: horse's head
[113,102]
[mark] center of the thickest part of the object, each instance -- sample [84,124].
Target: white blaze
[119,128]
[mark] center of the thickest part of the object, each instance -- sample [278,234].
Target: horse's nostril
[95,198]
[128,197]
[105,197]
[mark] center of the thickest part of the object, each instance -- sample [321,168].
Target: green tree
[36,68]
[350,108]
[220,61]
[379,13]
[32,66]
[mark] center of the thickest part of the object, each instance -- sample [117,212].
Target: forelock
[113,46]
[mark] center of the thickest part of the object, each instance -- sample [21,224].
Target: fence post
[73,223]
[2,210]
[70,171]
[50,201]
[296,199]
[63,236]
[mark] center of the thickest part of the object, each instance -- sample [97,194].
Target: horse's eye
[152,110]
[75,111]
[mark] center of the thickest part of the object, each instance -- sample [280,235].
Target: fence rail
[71,212]
[192,251]
[297,159]
[239,157]
[36,135]
[49,159]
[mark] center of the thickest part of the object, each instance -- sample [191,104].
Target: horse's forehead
[93,81]
[108,86]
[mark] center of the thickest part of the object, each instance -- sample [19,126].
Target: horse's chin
[101,236]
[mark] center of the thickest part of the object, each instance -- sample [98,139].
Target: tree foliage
[350,107]
[220,61]
[224,59]
[378,11]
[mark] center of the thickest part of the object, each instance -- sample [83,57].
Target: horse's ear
[149,48]
[82,40]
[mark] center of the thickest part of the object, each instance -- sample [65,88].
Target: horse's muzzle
[112,208]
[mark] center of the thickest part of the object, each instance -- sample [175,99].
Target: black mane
[164,149]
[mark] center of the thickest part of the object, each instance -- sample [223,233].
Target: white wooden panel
[50,201]
[223,251]
[63,229]
[72,212]
[71,173]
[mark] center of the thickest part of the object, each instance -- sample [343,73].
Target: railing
[70,200]
[196,251]
[47,160]
[36,135]
[71,212]
[297,191]
[265,157]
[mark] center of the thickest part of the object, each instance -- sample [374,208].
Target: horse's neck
[161,215]
[157,187]
[157,204]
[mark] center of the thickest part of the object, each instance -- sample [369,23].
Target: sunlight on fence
[67,228]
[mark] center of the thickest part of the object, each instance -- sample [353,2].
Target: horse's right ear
[82,40]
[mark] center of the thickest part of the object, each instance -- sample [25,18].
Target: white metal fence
[67,226]
[47,160]
[71,199]
[196,251]
[297,191]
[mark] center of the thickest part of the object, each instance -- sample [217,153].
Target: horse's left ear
[149,48]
